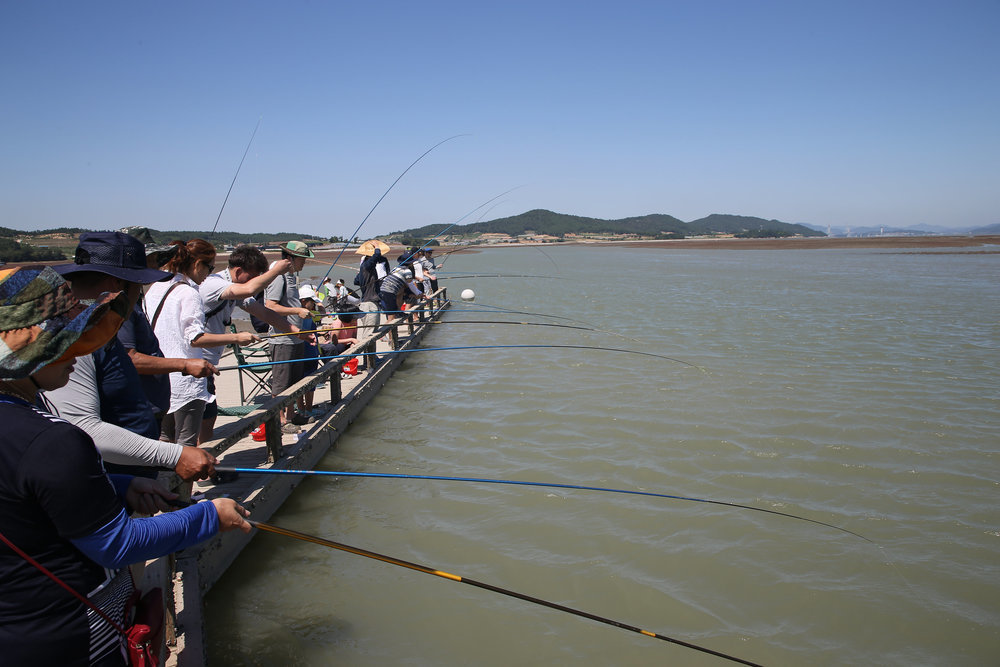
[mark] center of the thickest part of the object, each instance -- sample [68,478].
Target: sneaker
[290,428]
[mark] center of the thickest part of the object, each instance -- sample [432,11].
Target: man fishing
[237,286]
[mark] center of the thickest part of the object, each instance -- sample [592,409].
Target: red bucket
[258,434]
[350,366]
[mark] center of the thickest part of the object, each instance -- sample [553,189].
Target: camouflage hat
[41,322]
[298,248]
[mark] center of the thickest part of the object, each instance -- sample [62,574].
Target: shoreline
[791,243]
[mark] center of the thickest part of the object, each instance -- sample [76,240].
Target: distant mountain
[541,221]
[985,231]
[914,230]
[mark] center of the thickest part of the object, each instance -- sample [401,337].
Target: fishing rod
[346,243]
[254,134]
[354,326]
[460,347]
[513,482]
[500,275]
[305,537]
[428,242]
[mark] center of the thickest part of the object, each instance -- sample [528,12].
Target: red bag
[145,634]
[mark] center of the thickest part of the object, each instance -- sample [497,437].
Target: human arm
[262,312]
[123,540]
[218,340]
[79,403]
[240,291]
[147,364]
[276,307]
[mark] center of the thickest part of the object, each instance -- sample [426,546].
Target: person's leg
[210,415]
[281,375]
[187,422]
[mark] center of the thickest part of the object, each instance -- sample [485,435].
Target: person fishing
[104,395]
[282,297]
[374,267]
[58,507]
[241,285]
[393,289]
[178,320]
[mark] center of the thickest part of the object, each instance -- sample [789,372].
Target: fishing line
[462,347]
[219,217]
[512,482]
[348,241]
[489,587]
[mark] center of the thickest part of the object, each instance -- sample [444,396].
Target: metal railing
[269,412]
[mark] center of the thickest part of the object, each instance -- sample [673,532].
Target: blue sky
[829,113]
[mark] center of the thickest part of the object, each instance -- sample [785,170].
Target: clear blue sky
[830,113]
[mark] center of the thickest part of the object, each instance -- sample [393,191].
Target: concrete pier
[188,575]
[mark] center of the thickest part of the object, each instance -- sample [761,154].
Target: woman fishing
[59,511]
[176,312]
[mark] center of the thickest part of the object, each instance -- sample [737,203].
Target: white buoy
[468,295]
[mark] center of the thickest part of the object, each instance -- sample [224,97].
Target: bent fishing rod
[240,166]
[305,537]
[461,347]
[514,482]
[348,241]
[428,242]
[355,326]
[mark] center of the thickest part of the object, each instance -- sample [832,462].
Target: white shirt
[181,320]
[211,291]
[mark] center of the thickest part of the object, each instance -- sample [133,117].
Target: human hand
[246,338]
[303,312]
[283,266]
[198,368]
[232,515]
[148,496]
[195,463]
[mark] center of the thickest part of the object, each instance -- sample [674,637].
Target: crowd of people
[107,370]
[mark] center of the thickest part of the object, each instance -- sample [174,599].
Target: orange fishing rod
[490,587]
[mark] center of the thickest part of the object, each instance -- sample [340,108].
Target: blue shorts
[388,302]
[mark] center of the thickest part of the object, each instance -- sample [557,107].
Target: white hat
[308,292]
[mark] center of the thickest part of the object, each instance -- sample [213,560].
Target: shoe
[290,428]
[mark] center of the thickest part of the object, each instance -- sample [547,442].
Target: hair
[249,258]
[190,253]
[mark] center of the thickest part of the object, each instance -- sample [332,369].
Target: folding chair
[257,378]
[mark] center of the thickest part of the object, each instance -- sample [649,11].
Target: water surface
[854,387]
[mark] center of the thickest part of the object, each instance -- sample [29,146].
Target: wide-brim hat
[41,322]
[299,249]
[115,254]
[368,248]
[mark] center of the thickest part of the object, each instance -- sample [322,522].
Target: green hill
[540,221]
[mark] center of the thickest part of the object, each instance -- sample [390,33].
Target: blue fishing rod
[351,237]
[512,482]
[240,166]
